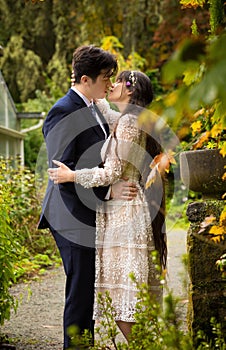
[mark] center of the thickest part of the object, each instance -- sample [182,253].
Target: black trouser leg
[79,266]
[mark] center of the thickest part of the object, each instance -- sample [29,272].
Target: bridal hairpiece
[132,79]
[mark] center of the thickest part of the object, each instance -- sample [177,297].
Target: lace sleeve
[127,132]
[110,114]
[110,173]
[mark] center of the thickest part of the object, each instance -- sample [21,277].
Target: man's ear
[85,79]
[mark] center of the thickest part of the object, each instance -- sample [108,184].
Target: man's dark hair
[92,61]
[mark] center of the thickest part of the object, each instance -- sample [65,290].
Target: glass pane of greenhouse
[11,140]
[3,142]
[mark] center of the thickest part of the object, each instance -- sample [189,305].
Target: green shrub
[24,250]
[156,328]
[9,250]
[25,209]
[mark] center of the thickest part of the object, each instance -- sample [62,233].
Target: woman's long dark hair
[155,196]
[142,95]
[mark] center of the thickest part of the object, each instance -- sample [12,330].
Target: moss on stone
[207,288]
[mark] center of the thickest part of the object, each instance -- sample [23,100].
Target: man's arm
[123,189]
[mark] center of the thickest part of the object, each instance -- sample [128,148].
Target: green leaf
[187,57]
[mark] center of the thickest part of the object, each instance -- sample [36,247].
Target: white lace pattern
[124,237]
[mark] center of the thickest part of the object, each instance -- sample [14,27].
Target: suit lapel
[92,122]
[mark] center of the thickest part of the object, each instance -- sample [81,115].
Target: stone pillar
[207,292]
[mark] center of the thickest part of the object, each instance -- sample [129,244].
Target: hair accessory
[132,79]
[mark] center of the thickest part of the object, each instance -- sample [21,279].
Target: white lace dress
[124,238]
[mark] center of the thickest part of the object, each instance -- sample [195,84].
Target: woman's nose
[113,85]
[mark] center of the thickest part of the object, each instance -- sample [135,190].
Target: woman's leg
[125,328]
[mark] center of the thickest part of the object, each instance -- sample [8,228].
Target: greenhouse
[11,138]
[11,135]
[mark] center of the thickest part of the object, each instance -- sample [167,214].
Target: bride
[126,231]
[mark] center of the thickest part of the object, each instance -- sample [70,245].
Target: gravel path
[38,322]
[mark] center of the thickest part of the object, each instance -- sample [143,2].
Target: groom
[74,135]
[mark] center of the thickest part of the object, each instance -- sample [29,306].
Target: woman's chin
[111,98]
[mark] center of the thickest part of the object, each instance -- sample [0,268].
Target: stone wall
[207,292]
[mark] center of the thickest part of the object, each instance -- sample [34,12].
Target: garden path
[38,322]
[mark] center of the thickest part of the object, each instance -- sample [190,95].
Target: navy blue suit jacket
[74,137]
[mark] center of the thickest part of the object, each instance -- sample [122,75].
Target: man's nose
[110,84]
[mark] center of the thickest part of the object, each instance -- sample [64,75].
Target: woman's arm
[93,177]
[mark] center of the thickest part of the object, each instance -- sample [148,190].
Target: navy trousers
[79,267]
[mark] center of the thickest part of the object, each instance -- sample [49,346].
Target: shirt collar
[85,99]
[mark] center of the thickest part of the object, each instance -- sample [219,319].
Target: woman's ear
[129,92]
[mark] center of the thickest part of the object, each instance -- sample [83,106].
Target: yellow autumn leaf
[170,154]
[216,239]
[152,176]
[217,230]
[203,138]
[192,3]
[163,160]
[224,177]
[216,130]
[223,149]
[161,163]
[196,127]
